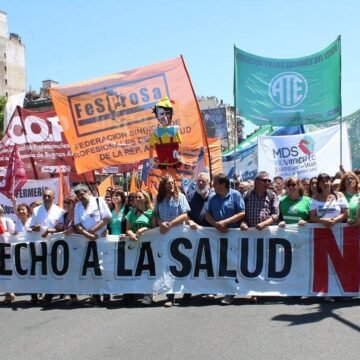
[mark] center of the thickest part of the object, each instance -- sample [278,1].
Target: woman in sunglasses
[328,207]
[295,206]
[349,186]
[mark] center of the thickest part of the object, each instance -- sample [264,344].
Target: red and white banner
[301,261]
[31,191]
[42,146]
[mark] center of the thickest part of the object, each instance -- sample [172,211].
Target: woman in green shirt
[295,207]
[116,225]
[140,219]
[349,187]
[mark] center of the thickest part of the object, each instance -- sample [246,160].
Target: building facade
[12,61]
[219,121]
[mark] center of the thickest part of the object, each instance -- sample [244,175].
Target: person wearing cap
[166,138]
[335,185]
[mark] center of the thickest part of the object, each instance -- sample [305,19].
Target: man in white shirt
[44,218]
[91,214]
[47,215]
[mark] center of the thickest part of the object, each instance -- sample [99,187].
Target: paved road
[275,328]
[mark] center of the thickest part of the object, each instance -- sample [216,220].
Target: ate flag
[15,176]
[284,92]
[108,121]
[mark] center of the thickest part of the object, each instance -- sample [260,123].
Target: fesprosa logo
[288,89]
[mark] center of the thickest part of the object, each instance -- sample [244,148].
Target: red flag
[15,176]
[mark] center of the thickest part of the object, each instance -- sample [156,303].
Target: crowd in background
[222,203]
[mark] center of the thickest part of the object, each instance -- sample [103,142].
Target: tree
[2,114]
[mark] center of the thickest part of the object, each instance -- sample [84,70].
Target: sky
[75,40]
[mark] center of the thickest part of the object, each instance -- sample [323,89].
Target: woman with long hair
[312,187]
[327,207]
[116,225]
[171,210]
[139,220]
[295,206]
[349,186]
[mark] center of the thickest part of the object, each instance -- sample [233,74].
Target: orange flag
[106,183]
[64,189]
[108,121]
[133,187]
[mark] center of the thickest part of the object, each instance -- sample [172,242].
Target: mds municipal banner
[294,91]
[304,261]
[108,121]
[304,155]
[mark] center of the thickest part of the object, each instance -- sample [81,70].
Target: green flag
[286,92]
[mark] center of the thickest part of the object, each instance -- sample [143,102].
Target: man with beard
[198,200]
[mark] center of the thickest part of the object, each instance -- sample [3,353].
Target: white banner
[304,155]
[31,191]
[305,261]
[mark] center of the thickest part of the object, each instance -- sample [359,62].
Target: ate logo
[307,145]
[288,89]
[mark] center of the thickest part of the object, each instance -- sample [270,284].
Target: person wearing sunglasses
[349,186]
[295,206]
[261,204]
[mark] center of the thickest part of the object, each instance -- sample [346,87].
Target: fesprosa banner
[109,120]
[307,261]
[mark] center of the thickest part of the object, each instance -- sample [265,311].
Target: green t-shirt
[115,222]
[294,210]
[353,201]
[139,221]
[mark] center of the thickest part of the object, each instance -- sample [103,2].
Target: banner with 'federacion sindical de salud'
[288,92]
[108,121]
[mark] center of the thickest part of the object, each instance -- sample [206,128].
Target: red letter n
[346,263]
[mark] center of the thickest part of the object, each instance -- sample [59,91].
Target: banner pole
[341,132]
[235,113]
[204,134]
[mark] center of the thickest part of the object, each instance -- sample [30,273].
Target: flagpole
[235,125]
[202,122]
[341,132]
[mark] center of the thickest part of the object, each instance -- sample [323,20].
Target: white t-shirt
[93,213]
[47,219]
[330,208]
[8,224]
[20,227]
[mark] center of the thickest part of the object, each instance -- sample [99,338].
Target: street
[275,328]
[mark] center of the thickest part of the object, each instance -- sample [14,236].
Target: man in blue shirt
[226,209]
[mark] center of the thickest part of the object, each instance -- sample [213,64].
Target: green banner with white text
[284,92]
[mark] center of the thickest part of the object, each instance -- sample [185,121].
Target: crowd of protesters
[222,203]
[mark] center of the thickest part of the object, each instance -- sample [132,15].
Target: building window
[5,68]
[4,55]
[5,81]
[7,94]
